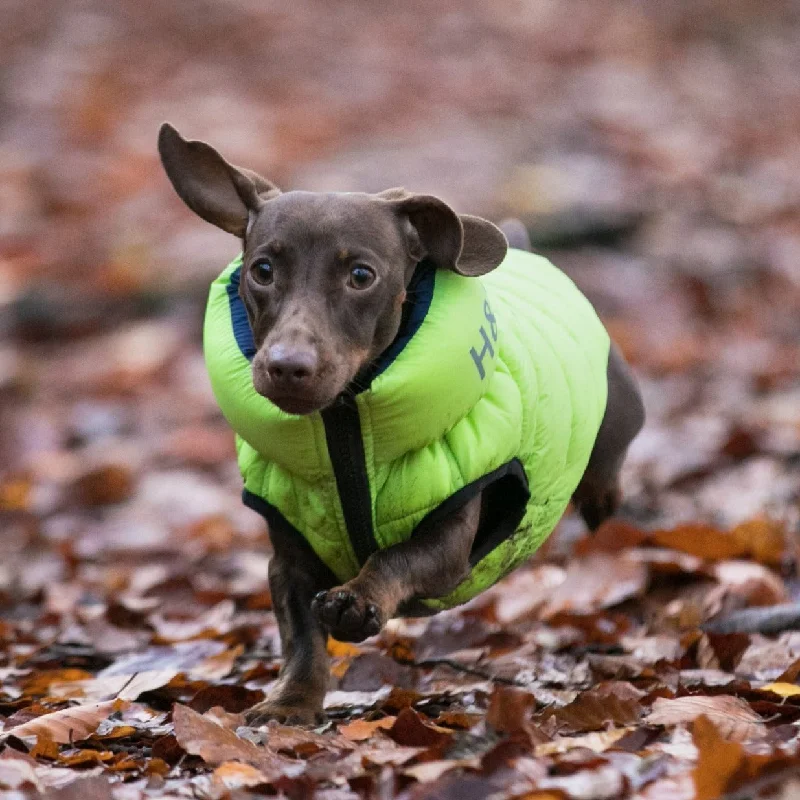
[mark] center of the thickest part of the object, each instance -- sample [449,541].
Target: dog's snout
[290,367]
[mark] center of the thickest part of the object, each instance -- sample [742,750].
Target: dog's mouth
[299,401]
[299,405]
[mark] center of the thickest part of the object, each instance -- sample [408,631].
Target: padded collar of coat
[429,378]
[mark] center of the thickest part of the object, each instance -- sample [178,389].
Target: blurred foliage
[652,149]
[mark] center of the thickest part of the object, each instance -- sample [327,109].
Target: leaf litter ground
[658,659]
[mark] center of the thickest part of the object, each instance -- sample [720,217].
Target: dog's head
[324,276]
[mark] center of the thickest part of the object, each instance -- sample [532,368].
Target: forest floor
[653,153]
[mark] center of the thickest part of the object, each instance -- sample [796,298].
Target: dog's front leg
[429,564]
[298,695]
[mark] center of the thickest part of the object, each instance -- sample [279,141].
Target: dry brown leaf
[40,682]
[766,540]
[80,758]
[702,541]
[411,730]
[303,742]
[217,620]
[433,770]
[526,591]
[732,716]
[598,742]
[758,585]
[360,729]
[230,696]
[510,710]
[17,773]
[718,760]
[124,687]
[613,536]
[69,724]
[200,736]
[231,775]
[45,747]
[111,483]
[461,720]
[597,581]
[593,712]
[216,667]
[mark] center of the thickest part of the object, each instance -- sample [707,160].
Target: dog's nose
[289,368]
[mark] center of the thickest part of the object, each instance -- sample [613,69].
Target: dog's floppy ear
[465,244]
[215,190]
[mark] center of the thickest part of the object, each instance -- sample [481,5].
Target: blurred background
[652,147]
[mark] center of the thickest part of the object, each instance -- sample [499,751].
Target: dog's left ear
[465,244]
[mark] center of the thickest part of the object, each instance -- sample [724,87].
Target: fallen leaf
[613,536]
[111,483]
[732,716]
[230,696]
[593,712]
[411,730]
[766,540]
[597,581]
[80,758]
[597,742]
[216,620]
[782,689]
[718,760]
[458,719]
[526,591]
[216,667]
[16,773]
[69,724]
[702,541]
[510,710]
[767,659]
[124,687]
[231,775]
[433,770]
[180,657]
[45,747]
[360,729]
[40,682]
[758,585]
[200,736]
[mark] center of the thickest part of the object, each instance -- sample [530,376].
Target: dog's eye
[361,277]
[262,272]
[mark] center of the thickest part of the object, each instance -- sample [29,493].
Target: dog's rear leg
[429,564]
[598,494]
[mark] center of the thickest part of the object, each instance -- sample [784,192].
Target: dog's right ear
[215,190]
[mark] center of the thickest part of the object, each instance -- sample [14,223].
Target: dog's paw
[286,714]
[348,616]
[596,509]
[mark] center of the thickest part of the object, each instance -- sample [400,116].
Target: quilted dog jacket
[495,384]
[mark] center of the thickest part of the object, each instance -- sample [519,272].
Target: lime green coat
[494,384]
